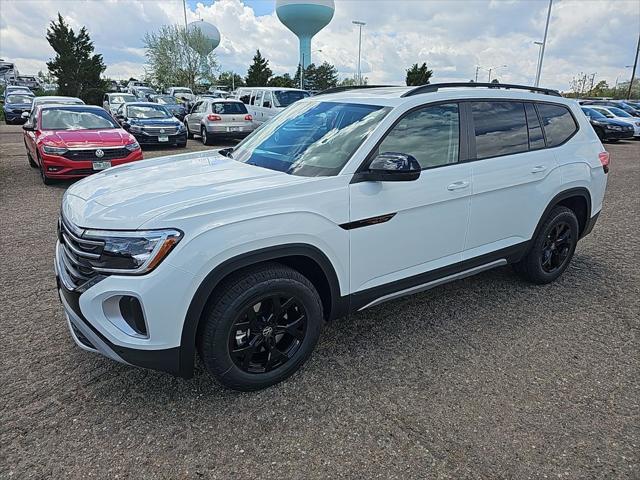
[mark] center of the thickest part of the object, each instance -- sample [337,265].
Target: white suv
[343,201]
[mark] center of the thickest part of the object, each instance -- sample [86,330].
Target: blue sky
[451,36]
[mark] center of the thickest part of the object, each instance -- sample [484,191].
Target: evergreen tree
[418,75]
[284,81]
[76,67]
[230,79]
[259,72]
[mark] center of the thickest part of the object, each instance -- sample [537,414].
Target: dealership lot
[484,375]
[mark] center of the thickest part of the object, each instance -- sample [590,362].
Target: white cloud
[452,37]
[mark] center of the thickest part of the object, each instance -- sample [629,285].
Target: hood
[113,137]
[160,192]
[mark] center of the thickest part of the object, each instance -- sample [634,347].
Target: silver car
[112,101]
[218,118]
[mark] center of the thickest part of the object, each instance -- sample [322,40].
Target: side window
[244,96]
[252,100]
[196,107]
[106,98]
[500,128]
[430,134]
[536,139]
[258,100]
[266,100]
[558,123]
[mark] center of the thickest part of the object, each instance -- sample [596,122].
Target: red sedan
[73,141]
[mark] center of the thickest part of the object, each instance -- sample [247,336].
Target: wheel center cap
[267,331]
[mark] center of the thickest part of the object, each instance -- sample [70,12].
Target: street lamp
[494,68]
[539,52]
[544,44]
[360,25]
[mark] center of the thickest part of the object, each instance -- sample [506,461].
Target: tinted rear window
[500,128]
[558,123]
[228,108]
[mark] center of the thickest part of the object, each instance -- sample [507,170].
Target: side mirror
[28,127]
[24,115]
[390,167]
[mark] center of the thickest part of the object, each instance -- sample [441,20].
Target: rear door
[514,175]
[258,108]
[196,116]
[400,230]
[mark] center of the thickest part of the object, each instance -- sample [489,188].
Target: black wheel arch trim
[572,192]
[339,304]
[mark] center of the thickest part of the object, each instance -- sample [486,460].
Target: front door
[402,229]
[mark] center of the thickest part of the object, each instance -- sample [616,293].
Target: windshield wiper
[226,152]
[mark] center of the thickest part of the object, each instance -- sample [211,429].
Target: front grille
[76,253]
[90,154]
[169,130]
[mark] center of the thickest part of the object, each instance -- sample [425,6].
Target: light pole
[544,44]
[539,52]
[494,68]
[360,25]
[184,9]
[633,72]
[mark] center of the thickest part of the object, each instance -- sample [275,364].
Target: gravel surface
[488,377]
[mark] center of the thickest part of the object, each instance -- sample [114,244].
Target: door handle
[457,186]
[538,169]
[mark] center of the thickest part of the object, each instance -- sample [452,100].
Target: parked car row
[613,120]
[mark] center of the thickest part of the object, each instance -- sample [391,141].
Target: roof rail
[344,88]
[434,87]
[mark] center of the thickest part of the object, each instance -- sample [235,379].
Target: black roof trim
[430,88]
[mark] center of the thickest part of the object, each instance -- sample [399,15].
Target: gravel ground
[487,377]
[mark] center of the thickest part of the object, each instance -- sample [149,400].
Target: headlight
[134,252]
[181,127]
[132,147]
[54,150]
[135,128]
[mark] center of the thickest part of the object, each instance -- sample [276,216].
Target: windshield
[310,139]
[618,112]
[166,100]
[284,98]
[74,119]
[147,111]
[229,108]
[19,99]
[590,112]
[182,90]
[120,99]
[604,113]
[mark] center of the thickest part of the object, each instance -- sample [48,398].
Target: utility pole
[360,25]
[477,68]
[633,71]
[544,44]
[593,78]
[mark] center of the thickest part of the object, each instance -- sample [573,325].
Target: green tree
[231,80]
[75,66]
[176,56]
[418,75]
[348,82]
[259,72]
[325,76]
[283,81]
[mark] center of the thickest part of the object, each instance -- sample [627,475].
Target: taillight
[604,160]
[248,118]
[214,118]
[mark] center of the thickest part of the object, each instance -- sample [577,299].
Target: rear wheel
[260,327]
[552,249]
[206,138]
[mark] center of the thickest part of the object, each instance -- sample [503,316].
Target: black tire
[189,134]
[46,180]
[552,249]
[32,163]
[206,138]
[228,333]
[182,145]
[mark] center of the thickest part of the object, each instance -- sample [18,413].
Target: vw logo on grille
[99,153]
[162,130]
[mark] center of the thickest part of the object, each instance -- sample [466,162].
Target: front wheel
[46,180]
[552,249]
[260,328]
[189,134]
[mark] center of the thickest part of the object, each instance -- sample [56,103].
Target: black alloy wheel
[556,247]
[205,136]
[268,333]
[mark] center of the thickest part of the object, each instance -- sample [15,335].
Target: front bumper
[14,116]
[60,167]
[162,297]
[617,135]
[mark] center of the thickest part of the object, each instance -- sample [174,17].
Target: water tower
[305,18]
[211,34]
